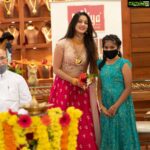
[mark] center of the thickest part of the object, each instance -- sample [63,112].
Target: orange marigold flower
[45,120]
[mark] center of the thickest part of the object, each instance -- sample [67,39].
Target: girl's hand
[82,86]
[112,110]
[105,111]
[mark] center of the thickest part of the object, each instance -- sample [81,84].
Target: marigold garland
[64,139]
[43,142]
[9,138]
[20,137]
[73,128]
[18,131]
[54,131]
[2,142]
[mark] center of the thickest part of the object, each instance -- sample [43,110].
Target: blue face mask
[9,47]
[3,68]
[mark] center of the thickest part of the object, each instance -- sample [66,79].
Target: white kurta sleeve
[24,93]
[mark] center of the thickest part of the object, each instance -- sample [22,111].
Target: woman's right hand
[76,82]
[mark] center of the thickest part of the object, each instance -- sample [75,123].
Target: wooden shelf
[42,80]
[38,19]
[43,83]
[142,110]
[34,46]
[13,20]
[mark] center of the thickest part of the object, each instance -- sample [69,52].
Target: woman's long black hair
[88,39]
[114,39]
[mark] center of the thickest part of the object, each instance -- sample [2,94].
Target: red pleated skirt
[63,94]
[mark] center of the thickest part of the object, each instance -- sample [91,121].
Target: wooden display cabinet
[141,97]
[24,51]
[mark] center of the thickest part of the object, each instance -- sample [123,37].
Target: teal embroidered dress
[118,132]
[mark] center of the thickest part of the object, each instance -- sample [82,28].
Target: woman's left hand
[84,86]
[112,110]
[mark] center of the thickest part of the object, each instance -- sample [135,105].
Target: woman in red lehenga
[73,55]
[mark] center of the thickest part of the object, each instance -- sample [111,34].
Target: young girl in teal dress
[118,127]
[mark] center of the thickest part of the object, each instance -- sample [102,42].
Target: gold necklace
[12,32]
[47,4]
[33,4]
[47,33]
[6,3]
[78,59]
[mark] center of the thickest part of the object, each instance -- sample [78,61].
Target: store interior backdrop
[105,16]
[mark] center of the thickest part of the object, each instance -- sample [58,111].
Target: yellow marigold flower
[12,120]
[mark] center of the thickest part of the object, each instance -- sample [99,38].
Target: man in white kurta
[14,90]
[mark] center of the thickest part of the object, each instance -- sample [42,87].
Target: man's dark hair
[6,35]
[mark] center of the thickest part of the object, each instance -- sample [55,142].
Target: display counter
[140,94]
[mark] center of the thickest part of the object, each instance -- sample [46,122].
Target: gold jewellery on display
[8,5]
[12,30]
[47,2]
[47,33]
[33,5]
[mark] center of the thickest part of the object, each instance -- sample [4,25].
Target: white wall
[112,17]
